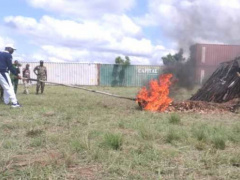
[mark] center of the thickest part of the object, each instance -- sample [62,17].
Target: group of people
[9,83]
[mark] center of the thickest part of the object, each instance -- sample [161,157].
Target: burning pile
[222,87]
[156,97]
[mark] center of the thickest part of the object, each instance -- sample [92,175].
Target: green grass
[73,134]
[174,119]
[113,141]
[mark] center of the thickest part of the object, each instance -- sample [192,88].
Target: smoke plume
[196,21]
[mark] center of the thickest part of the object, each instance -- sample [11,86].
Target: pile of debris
[203,106]
[223,85]
[220,93]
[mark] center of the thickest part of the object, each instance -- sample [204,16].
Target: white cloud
[4,41]
[83,8]
[50,53]
[68,40]
[65,54]
[89,33]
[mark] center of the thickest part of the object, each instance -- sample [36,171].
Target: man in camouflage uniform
[26,81]
[41,72]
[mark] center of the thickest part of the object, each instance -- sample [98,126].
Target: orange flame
[156,98]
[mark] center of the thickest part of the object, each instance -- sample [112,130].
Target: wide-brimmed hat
[10,46]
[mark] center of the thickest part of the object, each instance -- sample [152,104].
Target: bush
[76,145]
[219,137]
[201,132]
[38,142]
[146,131]
[214,135]
[219,141]
[113,141]
[34,132]
[173,135]
[234,134]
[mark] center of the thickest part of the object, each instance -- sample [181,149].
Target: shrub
[8,144]
[113,141]
[201,132]
[234,134]
[218,141]
[121,124]
[200,145]
[76,145]
[174,119]
[172,135]
[146,131]
[34,132]
[38,142]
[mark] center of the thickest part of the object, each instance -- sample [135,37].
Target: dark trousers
[15,85]
[1,91]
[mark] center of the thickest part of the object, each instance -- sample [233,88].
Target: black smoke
[182,69]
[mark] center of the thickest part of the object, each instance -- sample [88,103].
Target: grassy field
[73,134]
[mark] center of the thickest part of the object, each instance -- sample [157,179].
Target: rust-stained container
[203,73]
[207,58]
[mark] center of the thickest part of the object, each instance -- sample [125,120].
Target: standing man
[14,78]
[26,80]
[5,81]
[41,72]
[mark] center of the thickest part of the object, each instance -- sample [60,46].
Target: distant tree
[173,59]
[121,61]
[118,73]
[168,60]
[127,61]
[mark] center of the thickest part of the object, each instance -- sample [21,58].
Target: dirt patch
[91,172]
[127,131]
[49,114]
[43,159]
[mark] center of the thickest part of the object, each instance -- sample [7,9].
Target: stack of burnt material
[201,107]
[223,85]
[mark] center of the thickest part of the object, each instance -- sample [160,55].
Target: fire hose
[85,89]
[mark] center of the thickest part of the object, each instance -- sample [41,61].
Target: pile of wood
[220,93]
[222,86]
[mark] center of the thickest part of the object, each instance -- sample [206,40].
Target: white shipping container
[67,73]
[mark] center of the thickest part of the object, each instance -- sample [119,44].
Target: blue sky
[98,31]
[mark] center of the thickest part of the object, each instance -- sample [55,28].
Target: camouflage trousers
[26,86]
[40,85]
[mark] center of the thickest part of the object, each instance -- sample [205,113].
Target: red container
[207,58]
